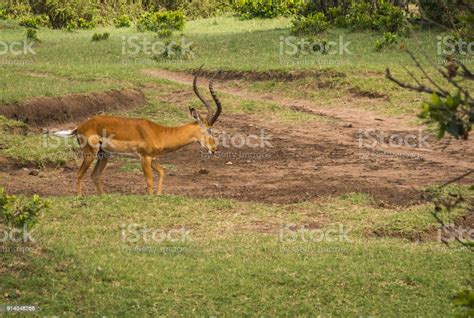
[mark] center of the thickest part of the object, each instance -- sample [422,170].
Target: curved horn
[216,100]
[196,91]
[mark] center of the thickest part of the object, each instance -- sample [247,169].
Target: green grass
[70,62]
[31,148]
[238,264]
[67,62]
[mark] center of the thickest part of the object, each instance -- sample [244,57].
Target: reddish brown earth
[44,111]
[304,161]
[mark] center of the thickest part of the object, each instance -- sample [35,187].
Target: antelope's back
[119,128]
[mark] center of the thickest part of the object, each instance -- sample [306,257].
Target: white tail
[65,133]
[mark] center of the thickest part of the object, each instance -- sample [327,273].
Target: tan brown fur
[101,136]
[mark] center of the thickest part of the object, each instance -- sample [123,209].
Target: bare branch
[419,88]
[412,76]
[426,74]
[466,72]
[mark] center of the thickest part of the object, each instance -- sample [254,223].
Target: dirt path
[300,161]
[350,114]
[347,110]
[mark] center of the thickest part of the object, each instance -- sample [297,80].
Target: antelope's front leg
[161,172]
[147,170]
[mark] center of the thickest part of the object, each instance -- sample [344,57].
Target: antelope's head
[206,138]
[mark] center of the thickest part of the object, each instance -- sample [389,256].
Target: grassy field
[234,258]
[70,62]
[247,261]
[224,43]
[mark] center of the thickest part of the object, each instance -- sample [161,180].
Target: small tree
[452,109]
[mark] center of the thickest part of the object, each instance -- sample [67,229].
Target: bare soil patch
[359,92]
[284,76]
[303,161]
[47,111]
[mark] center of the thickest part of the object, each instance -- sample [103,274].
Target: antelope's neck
[178,137]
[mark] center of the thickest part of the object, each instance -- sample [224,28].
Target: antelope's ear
[194,113]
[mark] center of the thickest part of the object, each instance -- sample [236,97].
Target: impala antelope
[101,136]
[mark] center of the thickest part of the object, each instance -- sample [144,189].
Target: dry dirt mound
[45,111]
[303,163]
[284,76]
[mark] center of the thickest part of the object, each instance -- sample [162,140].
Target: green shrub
[204,8]
[145,22]
[61,15]
[311,24]
[71,26]
[444,12]
[385,17]
[42,20]
[85,24]
[171,20]
[29,22]
[100,36]
[249,9]
[450,114]
[18,10]
[336,17]
[389,39]
[122,21]
[3,14]
[175,51]
[389,18]
[164,33]
[359,16]
[20,212]
[34,22]
[70,14]
[32,34]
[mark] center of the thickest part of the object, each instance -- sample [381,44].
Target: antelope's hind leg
[88,155]
[161,172]
[102,158]
[147,170]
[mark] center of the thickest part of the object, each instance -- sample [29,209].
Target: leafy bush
[29,22]
[164,33]
[3,14]
[34,22]
[100,36]
[18,10]
[171,20]
[60,16]
[337,17]
[389,18]
[20,212]
[204,8]
[70,14]
[122,21]
[32,34]
[311,24]
[450,114]
[249,9]
[444,12]
[175,51]
[385,17]
[358,15]
[389,39]
[85,24]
